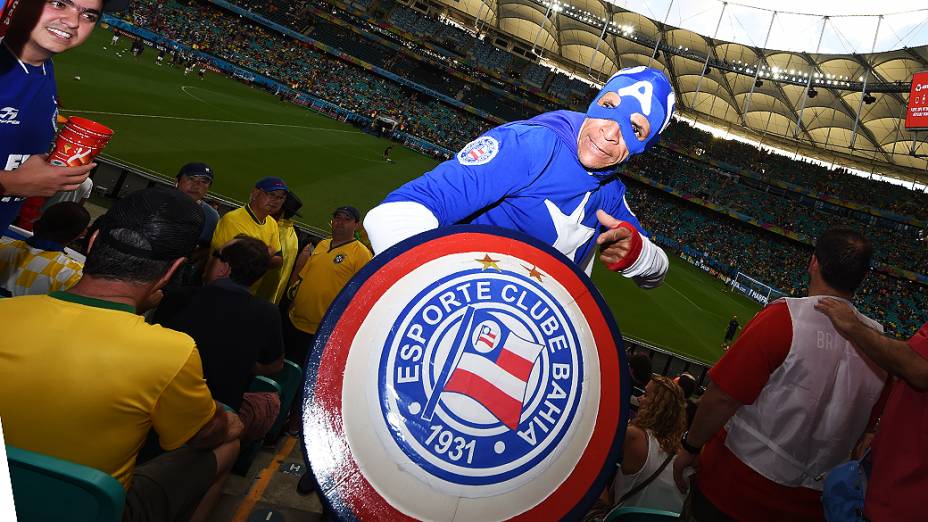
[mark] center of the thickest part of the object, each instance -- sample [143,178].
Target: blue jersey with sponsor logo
[525,176]
[28,109]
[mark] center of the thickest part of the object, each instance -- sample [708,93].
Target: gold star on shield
[533,272]
[488,262]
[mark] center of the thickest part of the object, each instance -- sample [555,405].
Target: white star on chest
[571,232]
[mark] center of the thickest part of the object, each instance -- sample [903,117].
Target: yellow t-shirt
[274,282]
[84,380]
[322,277]
[243,221]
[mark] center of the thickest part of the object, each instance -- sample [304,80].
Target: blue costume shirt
[28,108]
[525,176]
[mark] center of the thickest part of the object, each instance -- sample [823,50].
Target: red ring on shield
[344,483]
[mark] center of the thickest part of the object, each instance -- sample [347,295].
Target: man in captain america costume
[39,30]
[552,177]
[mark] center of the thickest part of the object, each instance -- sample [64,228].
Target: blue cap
[270,184]
[642,90]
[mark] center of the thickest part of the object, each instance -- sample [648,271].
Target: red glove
[634,249]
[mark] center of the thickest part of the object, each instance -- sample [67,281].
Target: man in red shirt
[899,477]
[786,403]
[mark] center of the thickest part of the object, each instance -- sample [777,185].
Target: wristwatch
[689,448]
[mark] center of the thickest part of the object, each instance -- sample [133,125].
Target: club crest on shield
[461,375]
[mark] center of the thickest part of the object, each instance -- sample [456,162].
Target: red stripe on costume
[502,406]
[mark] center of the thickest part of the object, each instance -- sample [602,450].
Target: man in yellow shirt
[319,274]
[274,283]
[99,377]
[254,219]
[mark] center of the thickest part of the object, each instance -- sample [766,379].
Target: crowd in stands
[897,244]
[730,246]
[212,30]
[834,182]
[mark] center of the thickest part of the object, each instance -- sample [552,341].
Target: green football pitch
[163,119]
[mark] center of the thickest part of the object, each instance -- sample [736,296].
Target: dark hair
[640,365]
[143,234]
[248,259]
[843,258]
[687,383]
[62,222]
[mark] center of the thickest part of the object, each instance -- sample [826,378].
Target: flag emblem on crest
[489,364]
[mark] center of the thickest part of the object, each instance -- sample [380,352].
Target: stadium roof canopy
[833,87]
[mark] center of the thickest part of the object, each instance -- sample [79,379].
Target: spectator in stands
[39,31]
[318,277]
[254,219]
[238,335]
[99,377]
[40,264]
[274,284]
[651,442]
[687,383]
[195,179]
[551,177]
[786,403]
[640,366]
[899,474]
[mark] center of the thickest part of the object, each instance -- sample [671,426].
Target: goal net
[754,289]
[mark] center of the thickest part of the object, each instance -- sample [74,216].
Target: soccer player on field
[552,177]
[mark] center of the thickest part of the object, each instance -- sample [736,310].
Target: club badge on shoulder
[468,373]
[479,151]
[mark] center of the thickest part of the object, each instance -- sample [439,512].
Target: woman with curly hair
[651,441]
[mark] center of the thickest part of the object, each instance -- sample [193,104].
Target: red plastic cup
[79,142]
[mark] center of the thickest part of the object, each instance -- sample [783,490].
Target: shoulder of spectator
[635,450]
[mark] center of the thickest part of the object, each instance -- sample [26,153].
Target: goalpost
[754,289]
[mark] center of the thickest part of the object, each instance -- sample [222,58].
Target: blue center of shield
[481,377]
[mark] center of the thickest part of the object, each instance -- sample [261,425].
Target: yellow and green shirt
[322,277]
[274,282]
[243,221]
[84,380]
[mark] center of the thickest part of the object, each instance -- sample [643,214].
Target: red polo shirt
[899,480]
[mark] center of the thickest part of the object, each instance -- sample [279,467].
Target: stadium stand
[535,75]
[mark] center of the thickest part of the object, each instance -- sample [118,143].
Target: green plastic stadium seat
[46,488]
[636,514]
[290,379]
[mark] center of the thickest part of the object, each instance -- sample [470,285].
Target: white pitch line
[194,96]
[203,120]
[681,294]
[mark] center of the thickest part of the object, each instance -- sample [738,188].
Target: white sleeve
[389,223]
[649,270]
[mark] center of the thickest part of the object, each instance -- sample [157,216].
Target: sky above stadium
[797,25]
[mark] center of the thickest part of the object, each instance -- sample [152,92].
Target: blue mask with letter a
[642,90]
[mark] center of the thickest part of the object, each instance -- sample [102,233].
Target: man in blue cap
[254,220]
[552,177]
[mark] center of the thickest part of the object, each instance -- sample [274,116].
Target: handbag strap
[647,481]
